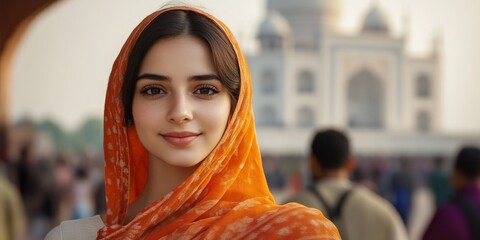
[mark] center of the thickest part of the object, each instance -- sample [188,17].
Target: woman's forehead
[186,54]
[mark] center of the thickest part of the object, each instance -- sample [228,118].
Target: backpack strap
[341,201]
[471,213]
[332,213]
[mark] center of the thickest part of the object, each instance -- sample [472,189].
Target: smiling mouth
[180,138]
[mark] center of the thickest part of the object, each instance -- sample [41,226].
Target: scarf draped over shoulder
[225,198]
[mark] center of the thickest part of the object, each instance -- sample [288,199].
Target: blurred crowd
[69,185]
[414,185]
[50,190]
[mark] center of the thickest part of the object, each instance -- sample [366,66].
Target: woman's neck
[162,179]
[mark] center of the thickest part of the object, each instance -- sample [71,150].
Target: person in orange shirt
[181,154]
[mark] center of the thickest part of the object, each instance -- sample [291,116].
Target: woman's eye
[151,90]
[206,90]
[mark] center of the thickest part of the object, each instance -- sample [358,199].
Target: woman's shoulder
[303,213]
[85,228]
[296,220]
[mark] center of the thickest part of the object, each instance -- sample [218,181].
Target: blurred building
[309,75]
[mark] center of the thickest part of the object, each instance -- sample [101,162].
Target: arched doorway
[423,121]
[365,101]
[15,18]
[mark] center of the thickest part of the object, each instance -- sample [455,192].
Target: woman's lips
[180,138]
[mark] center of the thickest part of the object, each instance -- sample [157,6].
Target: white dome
[375,22]
[309,20]
[318,6]
[274,24]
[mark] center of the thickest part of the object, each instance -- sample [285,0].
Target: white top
[80,229]
[365,215]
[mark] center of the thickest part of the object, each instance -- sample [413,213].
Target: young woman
[181,155]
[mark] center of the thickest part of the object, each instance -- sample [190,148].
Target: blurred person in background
[12,214]
[36,185]
[40,199]
[24,169]
[83,192]
[63,182]
[459,218]
[360,176]
[403,184]
[357,212]
[439,181]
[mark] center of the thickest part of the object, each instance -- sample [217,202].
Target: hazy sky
[61,68]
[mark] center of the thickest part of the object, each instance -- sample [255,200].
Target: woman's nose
[180,109]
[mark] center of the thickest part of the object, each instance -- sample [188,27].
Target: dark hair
[331,149]
[468,162]
[177,23]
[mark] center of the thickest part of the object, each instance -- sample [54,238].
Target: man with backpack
[357,212]
[459,218]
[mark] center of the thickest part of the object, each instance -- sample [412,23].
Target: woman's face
[180,107]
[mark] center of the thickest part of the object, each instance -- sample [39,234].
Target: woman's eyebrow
[201,77]
[204,77]
[153,77]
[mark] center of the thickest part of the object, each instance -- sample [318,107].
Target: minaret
[437,45]
[274,33]
[406,25]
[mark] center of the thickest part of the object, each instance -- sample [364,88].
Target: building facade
[309,75]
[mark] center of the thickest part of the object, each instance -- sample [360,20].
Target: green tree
[59,136]
[90,134]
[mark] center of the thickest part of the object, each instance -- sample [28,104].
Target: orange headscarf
[227,195]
